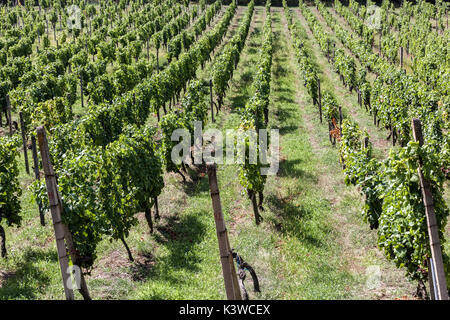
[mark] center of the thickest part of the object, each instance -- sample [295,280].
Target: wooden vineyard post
[37,176]
[56,209]
[226,257]
[431,280]
[320,101]
[211,99]
[437,265]
[62,234]
[24,142]
[8,110]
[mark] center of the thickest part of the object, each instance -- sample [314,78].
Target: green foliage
[102,188]
[330,106]
[45,42]
[222,70]
[194,105]
[396,96]
[23,48]
[139,166]
[345,66]
[116,204]
[10,190]
[103,123]
[304,56]
[79,187]
[362,170]
[250,176]
[393,197]
[403,233]
[253,116]
[168,124]
[52,112]
[194,108]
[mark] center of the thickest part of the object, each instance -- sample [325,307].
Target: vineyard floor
[312,243]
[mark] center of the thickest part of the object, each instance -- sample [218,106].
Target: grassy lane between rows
[192,270]
[357,248]
[365,120]
[312,243]
[32,269]
[330,81]
[295,247]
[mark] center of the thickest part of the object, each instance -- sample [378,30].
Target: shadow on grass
[284,90]
[238,102]
[142,266]
[256,33]
[195,183]
[241,94]
[284,99]
[288,129]
[292,215]
[179,236]
[253,50]
[289,168]
[280,71]
[27,279]
[246,78]
[276,18]
[282,115]
[291,219]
